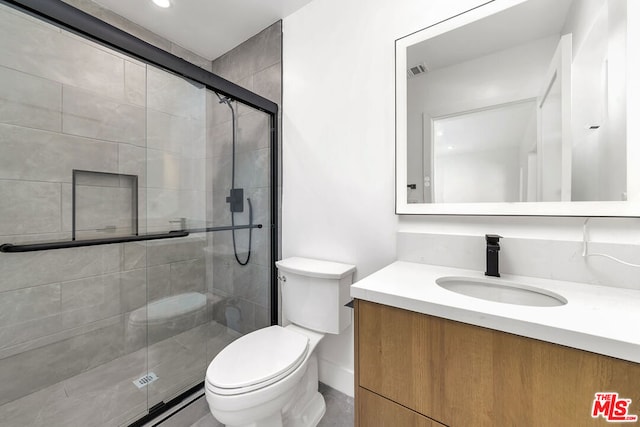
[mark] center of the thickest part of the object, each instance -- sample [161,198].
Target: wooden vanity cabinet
[456,374]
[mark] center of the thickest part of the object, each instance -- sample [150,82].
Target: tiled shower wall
[67,103]
[256,65]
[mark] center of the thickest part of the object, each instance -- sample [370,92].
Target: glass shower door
[178,304]
[72,116]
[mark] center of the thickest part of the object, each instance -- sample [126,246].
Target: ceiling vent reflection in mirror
[417,70]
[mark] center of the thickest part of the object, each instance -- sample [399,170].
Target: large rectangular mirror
[521,107]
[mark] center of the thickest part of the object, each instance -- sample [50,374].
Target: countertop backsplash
[549,259]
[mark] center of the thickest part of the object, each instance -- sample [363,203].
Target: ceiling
[528,21]
[209,28]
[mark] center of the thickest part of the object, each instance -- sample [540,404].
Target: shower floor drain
[145,380]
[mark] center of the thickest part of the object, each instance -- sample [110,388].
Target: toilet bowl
[269,378]
[242,393]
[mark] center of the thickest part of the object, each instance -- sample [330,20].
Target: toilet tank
[314,293]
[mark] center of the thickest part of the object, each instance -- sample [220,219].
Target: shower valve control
[236,199]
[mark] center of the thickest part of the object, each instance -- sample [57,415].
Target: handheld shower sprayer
[235,198]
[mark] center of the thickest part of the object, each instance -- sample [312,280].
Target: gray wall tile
[28,304]
[253,132]
[268,83]
[35,369]
[37,268]
[219,174]
[133,289]
[70,60]
[253,55]
[134,255]
[159,281]
[168,251]
[51,156]
[30,330]
[164,205]
[262,317]
[174,95]
[135,83]
[29,207]
[188,276]
[30,101]
[100,117]
[163,170]
[87,300]
[218,140]
[252,283]
[60,335]
[176,134]
[222,274]
[132,160]
[255,169]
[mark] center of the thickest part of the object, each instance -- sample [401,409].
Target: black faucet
[493,247]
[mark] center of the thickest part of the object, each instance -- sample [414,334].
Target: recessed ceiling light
[162,3]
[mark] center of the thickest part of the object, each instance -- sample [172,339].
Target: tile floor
[106,396]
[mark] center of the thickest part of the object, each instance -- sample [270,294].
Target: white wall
[501,77]
[598,154]
[478,176]
[338,148]
[338,139]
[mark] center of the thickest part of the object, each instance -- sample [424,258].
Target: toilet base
[312,414]
[309,406]
[305,409]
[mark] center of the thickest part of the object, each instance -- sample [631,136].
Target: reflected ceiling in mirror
[519,108]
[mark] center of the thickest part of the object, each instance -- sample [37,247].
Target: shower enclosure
[123,270]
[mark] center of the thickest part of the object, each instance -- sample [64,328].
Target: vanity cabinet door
[376,411]
[465,375]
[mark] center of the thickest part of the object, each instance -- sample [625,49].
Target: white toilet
[269,378]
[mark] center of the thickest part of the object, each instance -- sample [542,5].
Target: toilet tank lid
[315,267]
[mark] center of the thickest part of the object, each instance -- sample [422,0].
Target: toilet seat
[256,360]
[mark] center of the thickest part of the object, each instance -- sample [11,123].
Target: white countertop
[599,319]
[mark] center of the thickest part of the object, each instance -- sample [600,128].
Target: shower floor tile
[106,396]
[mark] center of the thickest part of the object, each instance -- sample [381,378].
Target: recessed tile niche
[104,205]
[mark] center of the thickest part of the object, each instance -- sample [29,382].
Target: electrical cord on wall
[585,250]
[226,100]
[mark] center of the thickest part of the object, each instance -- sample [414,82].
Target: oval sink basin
[501,291]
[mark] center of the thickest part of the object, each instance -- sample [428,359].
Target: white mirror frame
[629,208]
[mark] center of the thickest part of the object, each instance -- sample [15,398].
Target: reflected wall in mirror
[517,107]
